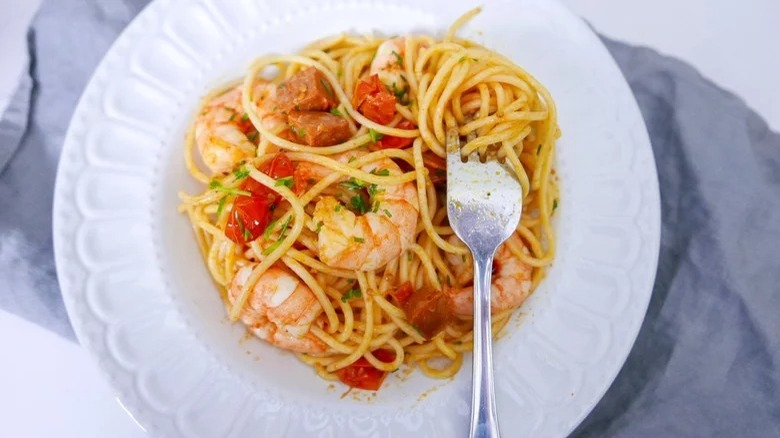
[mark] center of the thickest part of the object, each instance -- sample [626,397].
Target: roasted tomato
[362,375]
[390,142]
[402,293]
[428,310]
[278,167]
[372,99]
[248,218]
[251,214]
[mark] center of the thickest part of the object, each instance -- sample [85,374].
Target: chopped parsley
[400,93]
[253,136]
[244,117]
[287,181]
[353,184]
[240,173]
[221,206]
[351,295]
[359,204]
[232,117]
[244,231]
[358,239]
[380,172]
[300,132]
[398,58]
[326,86]
[269,229]
[462,58]
[285,225]
[376,207]
[336,112]
[319,226]
[555,204]
[271,248]
[387,212]
[351,159]
[216,185]
[373,190]
[338,208]
[375,136]
[409,256]
[538,149]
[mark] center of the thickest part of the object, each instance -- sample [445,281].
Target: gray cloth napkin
[707,360]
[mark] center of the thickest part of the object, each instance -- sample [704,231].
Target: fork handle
[484,421]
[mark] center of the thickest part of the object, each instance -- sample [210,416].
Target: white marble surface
[733,43]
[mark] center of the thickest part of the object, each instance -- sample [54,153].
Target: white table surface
[51,387]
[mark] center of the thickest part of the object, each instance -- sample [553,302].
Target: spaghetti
[324,224]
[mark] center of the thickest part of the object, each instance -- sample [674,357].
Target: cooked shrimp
[280,309]
[511,284]
[389,63]
[222,132]
[368,241]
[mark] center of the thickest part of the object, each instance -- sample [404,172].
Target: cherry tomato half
[372,99]
[251,214]
[402,293]
[278,167]
[362,375]
[390,142]
[248,218]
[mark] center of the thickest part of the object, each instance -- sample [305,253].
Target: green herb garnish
[300,132]
[216,185]
[380,172]
[326,86]
[287,181]
[359,204]
[269,229]
[398,58]
[387,213]
[538,149]
[555,204]
[240,173]
[319,226]
[244,117]
[351,295]
[244,231]
[221,206]
[375,136]
[282,234]
[358,239]
[353,184]
[336,112]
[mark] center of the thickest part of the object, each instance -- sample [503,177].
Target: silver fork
[484,204]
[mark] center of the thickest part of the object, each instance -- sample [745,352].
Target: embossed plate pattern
[141,301]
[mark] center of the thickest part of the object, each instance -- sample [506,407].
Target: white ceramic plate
[141,300]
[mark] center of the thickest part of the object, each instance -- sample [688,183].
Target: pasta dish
[323,219]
